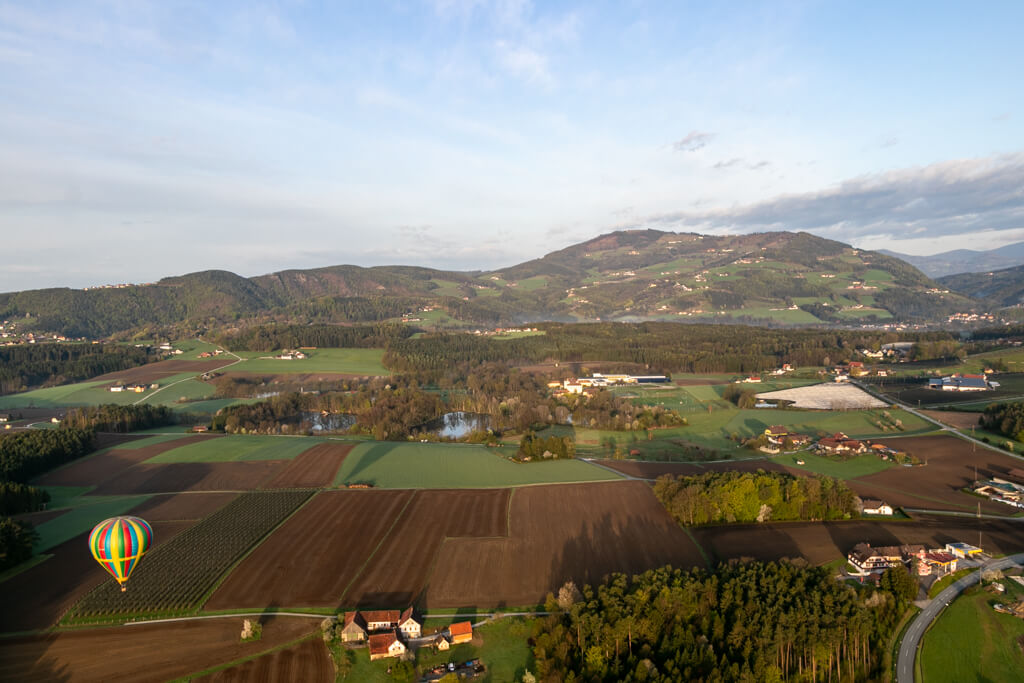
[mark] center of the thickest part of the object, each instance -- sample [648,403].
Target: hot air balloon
[119,543]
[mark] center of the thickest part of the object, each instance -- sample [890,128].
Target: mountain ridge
[960,261]
[778,278]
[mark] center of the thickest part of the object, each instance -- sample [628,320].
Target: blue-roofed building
[960,383]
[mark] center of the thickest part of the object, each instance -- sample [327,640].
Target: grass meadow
[454,466]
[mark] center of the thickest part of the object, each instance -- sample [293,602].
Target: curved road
[912,638]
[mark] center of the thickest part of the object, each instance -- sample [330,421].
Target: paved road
[912,638]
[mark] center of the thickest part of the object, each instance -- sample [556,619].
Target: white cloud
[524,63]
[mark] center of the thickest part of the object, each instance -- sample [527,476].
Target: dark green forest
[751,622]
[119,418]
[1006,419]
[26,366]
[24,455]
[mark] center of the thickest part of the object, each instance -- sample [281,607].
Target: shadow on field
[26,659]
[368,458]
[606,546]
[848,534]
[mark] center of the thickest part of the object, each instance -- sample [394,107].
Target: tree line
[24,455]
[272,337]
[751,622]
[657,348]
[716,497]
[1005,418]
[119,418]
[33,365]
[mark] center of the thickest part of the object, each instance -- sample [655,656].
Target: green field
[95,393]
[239,447]
[341,361]
[428,465]
[713,430]
[859,466]
[972,642]
[84,514]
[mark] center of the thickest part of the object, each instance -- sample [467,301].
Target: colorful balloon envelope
[119,543]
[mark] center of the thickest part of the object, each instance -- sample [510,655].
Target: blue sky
[145,139]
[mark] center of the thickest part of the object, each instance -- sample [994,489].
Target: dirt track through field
[314,468]
[576,531]
[157,652]
[313,556]
[308,662]
[105,465]
[38,597]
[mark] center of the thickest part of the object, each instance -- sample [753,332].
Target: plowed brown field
[154,372]
[950,467]
[398,572]
[157,652]
[313,556]
[307,661]
[957,418]
[105,465]
[821,542]
[312,469]
[182,506]
[191,476]
[577,531]
[38,597]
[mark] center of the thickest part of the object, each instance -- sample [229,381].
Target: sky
[145,139]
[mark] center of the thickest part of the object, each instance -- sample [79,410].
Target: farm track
[308,662]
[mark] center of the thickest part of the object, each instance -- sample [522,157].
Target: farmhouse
[5,418]
[959,382]
[357,625]
[870,560]
[117,388]
[386,645]
[440,643]
[354,630]
[461,632]
[876,507]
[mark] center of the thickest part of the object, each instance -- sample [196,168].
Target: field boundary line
[198,617]
[700,548]
[383,538]
[223,577]
[243,660]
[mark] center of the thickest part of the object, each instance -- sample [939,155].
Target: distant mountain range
[964,260]
[778,278]
[999,288]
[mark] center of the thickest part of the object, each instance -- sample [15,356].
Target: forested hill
[779,278]
[999,288]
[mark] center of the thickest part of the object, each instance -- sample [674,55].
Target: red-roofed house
[386,645]
[408,625]
[354,630]
[461,632]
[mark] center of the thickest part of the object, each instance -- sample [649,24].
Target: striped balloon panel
[118,543]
